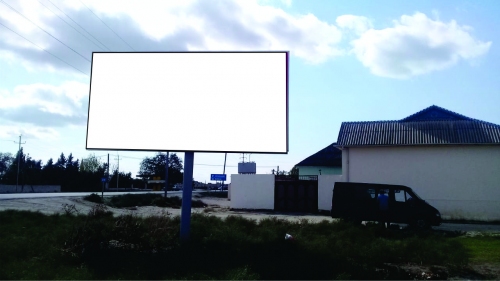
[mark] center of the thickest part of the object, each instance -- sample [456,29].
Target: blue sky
[350,61]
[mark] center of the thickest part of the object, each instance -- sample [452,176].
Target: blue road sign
[218,177]
[103,179]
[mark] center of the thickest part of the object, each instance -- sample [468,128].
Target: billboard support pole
[224,172]
[166,175]
[187,185]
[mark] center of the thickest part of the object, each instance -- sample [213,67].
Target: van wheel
[353,221]
[420,224]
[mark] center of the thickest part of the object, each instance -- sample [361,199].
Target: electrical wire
[214,165]
[44,49]
[106,25]
[69,25]
[79,25]
[44,30]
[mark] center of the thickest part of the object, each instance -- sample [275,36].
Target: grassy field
[100,246]
[483,249]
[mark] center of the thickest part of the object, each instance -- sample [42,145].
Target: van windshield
[413,194]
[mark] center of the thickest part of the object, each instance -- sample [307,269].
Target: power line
[44,49]
[69,24]
[45,31]
[79,25]
[106,25]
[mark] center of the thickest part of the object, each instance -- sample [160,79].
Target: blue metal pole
[166,175]
[187,192]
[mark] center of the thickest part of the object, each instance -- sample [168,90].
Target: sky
[349,61]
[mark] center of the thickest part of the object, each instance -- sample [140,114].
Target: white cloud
[416,45]
[358,24]
[179,25]
[46,105]
[28,131]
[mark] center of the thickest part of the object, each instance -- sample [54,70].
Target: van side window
[371,193]
[408,196]
[399,195]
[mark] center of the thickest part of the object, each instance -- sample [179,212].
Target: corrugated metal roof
[433,125]
[329,156]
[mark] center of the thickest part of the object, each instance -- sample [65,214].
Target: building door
[296,194]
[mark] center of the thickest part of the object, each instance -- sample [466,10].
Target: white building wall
[27,188]
[325,190]
[460,181]
[252,191]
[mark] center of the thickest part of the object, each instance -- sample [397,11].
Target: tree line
[83,175]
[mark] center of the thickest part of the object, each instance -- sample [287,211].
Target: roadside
[480,239]
[219,207]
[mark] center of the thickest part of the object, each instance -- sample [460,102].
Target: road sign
[104,179]
[218,177]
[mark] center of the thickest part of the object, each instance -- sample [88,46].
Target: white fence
[251,191]
[257,191]
[325,190]
[29,188]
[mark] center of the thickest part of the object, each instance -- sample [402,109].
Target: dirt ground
[218,207]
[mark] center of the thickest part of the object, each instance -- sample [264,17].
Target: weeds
[100,246]
[99,210]
[70,209]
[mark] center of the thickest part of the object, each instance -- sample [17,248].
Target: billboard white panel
[189,101]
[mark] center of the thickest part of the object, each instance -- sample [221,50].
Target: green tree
[61,162]
[11,174]
[49,173]
[155,166]
[29,172]
[6,159]
[72,166]
[90,164]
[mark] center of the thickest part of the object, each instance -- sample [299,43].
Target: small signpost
[218,177]
[103,180]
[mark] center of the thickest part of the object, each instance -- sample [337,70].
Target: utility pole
[18,160]
[224,172]
[166,175]
[107,176]
[118,170]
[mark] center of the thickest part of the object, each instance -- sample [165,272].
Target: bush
[133,200]
[93,198]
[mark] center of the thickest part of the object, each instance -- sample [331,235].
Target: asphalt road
[469,228]
[81,194]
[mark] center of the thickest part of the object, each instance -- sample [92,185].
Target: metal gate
[296,194]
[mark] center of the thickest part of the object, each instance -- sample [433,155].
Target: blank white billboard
[189,101]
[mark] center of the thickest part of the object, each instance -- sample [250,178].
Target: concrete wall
[252,192]
[27,188]
[325,190]
[460,181]
[314,170]
[257,191]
